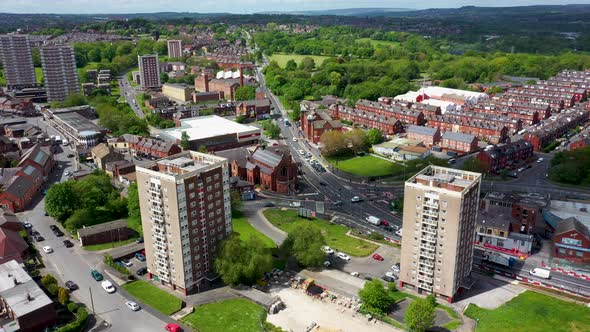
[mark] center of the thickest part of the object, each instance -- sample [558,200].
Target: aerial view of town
[294,166]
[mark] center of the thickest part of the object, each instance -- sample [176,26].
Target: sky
[240,6]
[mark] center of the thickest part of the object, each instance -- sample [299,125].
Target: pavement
[253,212]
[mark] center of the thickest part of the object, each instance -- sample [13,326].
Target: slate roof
[572,224]
[267,157]
[421,130]
[240,155]
[12,245]
[105,227]
[460,137]
[19,186]
[38,154]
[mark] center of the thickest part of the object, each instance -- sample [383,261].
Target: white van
[541,273]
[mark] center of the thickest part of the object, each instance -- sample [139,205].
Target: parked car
[301,152]
[173,327]
[354,274]
[540,160]
[27,225]
[323,183]
[53,227]
[47,250]
[71,286]
[327,263]
[38,238]
[343,256]
[338,203]
[295,139]
[268,204]
[58,233]
[96,275]
[390,275]
[68,243]
[328,250]
[108,286]
[140,257]
[378,257]
[70,155]
[395,268]
[139,240]
[132,305]
[295,204]
[126,262]
[141,271]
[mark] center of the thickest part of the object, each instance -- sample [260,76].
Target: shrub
[79,324]
[63,295]
[108,260]
[47,280]
[72,307]
[52,289]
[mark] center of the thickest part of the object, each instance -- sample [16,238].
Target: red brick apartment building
[272,168]
[138,145]
[459,142]
[572,241]
[315,122]
[404,114]
[388,124]
[505,156]
[490,131]
[254,109]
[579,144]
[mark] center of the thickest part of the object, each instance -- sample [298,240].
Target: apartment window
[489,232]
[209,188]
[191,186]
[193,204]
[192,195]
[502,234]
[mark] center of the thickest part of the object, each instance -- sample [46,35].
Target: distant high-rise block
[149,71]
[440,213]
[17,57]
[59,72]
[174,49]
[186,213]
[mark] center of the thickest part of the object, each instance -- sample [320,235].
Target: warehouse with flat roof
[214,133]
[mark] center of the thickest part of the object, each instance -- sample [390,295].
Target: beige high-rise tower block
[186,212]
[440,213]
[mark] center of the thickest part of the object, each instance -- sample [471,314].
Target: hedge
[79,324]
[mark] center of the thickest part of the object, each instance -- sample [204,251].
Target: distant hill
[344,12]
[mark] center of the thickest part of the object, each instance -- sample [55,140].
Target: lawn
[532,312]
[154,297]
[39,74]
[282,59]
[379,43]
[103,246]
[236,315]
[367,166]
[135,224]
[243,227]
[335,235]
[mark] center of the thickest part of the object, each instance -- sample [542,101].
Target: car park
[108,286]
[343,256]
[47,250]
[378,257]
[68,243]
[96,275]
[132,305]
[71,286]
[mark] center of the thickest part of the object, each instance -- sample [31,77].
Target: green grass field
[335,235]
[39,74]
[379,43]
[154,297]
[282,59]
[236,315]
[243,227]
[103,246]
[367,166]
[532,312]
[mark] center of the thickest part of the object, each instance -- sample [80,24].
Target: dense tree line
[571,167]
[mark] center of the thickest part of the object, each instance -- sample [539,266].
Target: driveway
[253,212]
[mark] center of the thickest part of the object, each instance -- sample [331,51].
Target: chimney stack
[206,80]
[241,77]
[337,113]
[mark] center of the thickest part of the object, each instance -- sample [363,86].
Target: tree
[333,143]
[242,261]
[184,141]
[48,279]
[272,130]
[246,92]
[63,295]
[133,201]
[61,201]
[356,139]
[420,315]
[375,297]
[305,244]
[374,136]
[240,118]
[307,63]
[202,149]
[236,201]
[291,65]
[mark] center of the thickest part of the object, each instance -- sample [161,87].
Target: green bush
[79,324]
[108,260]
[72,307]
[47,280]
[52,289]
